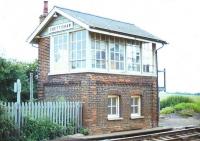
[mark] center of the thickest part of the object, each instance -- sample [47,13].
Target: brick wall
[44,63]
[93,89]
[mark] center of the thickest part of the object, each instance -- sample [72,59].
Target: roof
[94,23]
[107,24]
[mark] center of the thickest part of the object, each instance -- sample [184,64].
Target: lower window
[113,106]
[135,106]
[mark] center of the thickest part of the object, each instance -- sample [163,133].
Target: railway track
[158,134]
[187,134]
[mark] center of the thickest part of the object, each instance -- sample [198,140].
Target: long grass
[185,105]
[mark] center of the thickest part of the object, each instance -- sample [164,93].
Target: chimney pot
[45,9]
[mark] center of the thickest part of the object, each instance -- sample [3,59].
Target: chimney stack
[45,11]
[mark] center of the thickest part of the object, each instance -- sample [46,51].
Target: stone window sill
[115,118]
[137,117]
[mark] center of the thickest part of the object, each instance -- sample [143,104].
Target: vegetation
[84,131]
[167,110]
[33,129]
[185,106]
[40,129]
[173,100]
[7,129]
[10,71]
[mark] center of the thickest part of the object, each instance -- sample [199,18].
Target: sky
[175,21]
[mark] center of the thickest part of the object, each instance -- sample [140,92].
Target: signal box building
[109,65]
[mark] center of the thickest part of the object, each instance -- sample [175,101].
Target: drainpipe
[158,100]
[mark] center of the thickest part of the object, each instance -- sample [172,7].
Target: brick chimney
[45,11]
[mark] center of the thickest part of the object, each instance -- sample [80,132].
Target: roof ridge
[95,15]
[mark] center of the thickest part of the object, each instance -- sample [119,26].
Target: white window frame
[94,40]
[52,57]
[117,115]
[81,69]
[124,55]
[150,67]
[135,115]
[137,45]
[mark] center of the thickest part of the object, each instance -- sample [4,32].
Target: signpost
[17,89]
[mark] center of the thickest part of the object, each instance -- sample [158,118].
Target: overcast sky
[176,21]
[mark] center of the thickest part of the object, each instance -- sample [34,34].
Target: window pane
[83,45]
[114,101]
[112,56]
[83,35]
[78,55]
[79,35]
[78,45]
[121,66]
[97,45]
[114,110]
[109,110]
[103,55]
[83,64]
[97,64]
[136,110]
[136,100]
[93,44]
[117,47]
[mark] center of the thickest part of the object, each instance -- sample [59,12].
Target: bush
[167,110]
[173,100]
[41,129]
[84,131]
[187,106]
[187,112]
[7,128]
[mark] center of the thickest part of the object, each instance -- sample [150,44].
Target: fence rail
[62,113]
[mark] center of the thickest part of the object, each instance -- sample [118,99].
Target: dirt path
[176,121]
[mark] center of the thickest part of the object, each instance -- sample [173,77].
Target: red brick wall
[44,63]
[93,89]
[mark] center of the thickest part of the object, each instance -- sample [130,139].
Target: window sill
[115,118]
[137,117]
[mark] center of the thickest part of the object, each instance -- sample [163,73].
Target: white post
[31,86]
[18,91]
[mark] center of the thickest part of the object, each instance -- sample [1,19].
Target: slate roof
[111,25]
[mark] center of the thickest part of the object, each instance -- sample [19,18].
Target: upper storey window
[117,53]
[133,53]
[147,58]
[99,51]
[78,49]
[102,53]
[59,53]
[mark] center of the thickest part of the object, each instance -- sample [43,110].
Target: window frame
[121,43]
[79,69]
[117,115]
[137,45]
[147,68]
[138,114]
[52,53]
[94,40]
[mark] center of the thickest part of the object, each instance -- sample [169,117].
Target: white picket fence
[62,113]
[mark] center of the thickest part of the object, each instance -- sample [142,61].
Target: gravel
[176,121]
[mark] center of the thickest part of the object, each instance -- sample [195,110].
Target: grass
[185,105]
[195,98]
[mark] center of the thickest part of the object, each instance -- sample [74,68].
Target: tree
[10,71]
